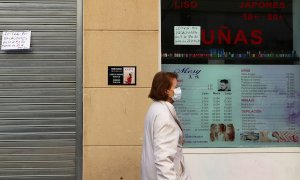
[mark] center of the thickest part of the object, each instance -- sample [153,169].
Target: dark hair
[212,134]
[224,81]
[231,135]
[161,82]
[222,127]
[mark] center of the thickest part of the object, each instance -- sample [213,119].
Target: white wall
[243,163]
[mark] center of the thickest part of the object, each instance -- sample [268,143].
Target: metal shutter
[40,92]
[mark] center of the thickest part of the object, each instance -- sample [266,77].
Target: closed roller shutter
[40,102]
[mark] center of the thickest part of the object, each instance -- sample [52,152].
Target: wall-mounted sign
[15,40]
[121,75]
[187,35]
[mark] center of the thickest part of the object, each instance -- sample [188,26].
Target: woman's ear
[168,92]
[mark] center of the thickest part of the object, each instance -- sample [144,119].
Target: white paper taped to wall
[187,35]
[15,40]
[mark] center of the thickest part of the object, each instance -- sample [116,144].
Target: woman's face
[275,134]
[213,129]
[229,129]
[173,86]
[219,128]
[223,86]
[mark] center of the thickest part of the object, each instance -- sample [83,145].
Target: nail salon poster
[239,105]
[234,105]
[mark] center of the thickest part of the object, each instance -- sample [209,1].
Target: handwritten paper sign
[13,40]
[187,35]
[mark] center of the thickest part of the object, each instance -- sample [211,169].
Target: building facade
[59,117]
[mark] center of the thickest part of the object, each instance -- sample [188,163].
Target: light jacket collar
[172,110]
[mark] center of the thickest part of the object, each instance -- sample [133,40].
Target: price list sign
[239,106]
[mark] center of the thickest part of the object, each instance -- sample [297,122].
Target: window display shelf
[247,60]
[265,60]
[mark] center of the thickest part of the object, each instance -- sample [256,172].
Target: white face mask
[177,94]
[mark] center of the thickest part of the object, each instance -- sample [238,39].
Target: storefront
[237,46]
[141,34]
[239,70]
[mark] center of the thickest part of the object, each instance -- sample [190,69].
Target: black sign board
[236,31]
[121,75]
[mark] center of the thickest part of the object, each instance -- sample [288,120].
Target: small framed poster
[121,75]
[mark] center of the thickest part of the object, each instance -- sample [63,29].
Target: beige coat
[162,157]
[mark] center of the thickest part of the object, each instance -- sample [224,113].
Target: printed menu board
[239,105]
